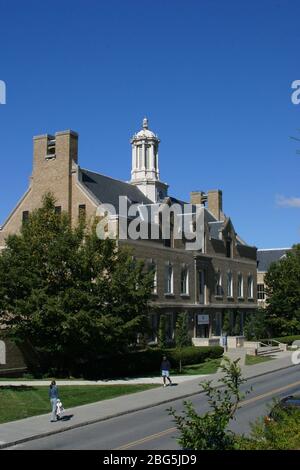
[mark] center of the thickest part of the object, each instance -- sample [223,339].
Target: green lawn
[208,367]
[251,360]
[18,402]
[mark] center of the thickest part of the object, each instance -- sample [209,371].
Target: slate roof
[266,257]
[107,190]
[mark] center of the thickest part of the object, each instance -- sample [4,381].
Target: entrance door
[202,331]
[202,326]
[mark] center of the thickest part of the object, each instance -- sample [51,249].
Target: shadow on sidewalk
[66,418]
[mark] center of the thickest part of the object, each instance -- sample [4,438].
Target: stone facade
[217,279]
[264,259]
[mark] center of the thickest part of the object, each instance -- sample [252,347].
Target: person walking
[53,395]
[165,370]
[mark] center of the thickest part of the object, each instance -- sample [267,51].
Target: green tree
[210,430]
[182,336]
[255,326]
[68,293]
[226,324]
[162,332]
[283,291]
[237,324]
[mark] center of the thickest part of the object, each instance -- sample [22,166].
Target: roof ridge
[273,249]
[105,176]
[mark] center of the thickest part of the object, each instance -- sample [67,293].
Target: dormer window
[50,149]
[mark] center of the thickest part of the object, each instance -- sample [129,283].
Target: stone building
[215,280]
[265,257]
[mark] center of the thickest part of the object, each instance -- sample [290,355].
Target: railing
[268,346]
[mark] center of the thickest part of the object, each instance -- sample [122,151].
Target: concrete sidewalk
[126,381]
[39,426]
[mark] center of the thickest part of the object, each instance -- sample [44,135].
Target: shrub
[145,362]
[283,434]
[210,431]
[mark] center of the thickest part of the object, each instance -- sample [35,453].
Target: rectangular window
[169,279]
[57,209]
[82,211]
[250,287]
[184,280]
[240,286]
[25,217]
[229,285]
[153,326]
[261,292]
[169,326]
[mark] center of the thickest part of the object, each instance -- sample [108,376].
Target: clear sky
[213,77]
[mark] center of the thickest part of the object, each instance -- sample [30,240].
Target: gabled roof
[107,190]
[267,256]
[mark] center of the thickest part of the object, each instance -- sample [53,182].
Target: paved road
[153,429]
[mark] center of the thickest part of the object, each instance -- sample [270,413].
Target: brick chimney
[197,197]
[214,203]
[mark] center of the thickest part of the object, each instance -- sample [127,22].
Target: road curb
[122,413]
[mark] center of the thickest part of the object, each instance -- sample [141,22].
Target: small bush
[283,434]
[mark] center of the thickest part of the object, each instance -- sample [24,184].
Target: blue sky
[213,77]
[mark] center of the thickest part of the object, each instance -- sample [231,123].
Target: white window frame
[250,286]
[240,285]
[184,281]
[169,278]
[229,284]
[261,294]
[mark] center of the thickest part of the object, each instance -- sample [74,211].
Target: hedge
[146,362]
[283,339]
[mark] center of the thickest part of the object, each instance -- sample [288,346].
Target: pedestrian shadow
[66,418]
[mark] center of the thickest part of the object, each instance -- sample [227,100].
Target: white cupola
[145,171]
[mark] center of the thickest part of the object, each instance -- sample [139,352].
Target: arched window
[184,280]
[229,284]
[218,284]
[240,286]
[169,278]
[250,286]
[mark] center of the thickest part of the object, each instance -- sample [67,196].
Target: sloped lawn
[18,402]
